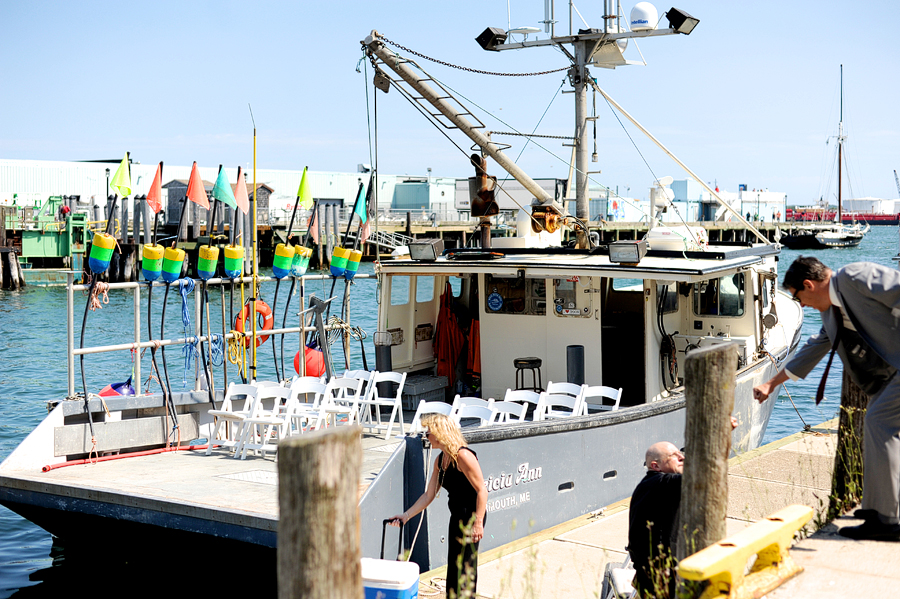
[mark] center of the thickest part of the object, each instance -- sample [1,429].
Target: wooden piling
[318,526]
[709,393]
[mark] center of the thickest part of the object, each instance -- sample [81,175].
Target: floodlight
[490,38]
[680,21]
[627,252]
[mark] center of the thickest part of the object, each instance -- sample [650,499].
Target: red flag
[240,193]
[195,191]
[364,231]
[154,196]
[313,226]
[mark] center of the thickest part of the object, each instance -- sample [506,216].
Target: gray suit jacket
[872,293]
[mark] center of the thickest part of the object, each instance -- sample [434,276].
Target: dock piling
[709,394]
[318,527]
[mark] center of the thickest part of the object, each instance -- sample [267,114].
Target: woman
[456,469]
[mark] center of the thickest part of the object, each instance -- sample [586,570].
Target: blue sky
[751,96]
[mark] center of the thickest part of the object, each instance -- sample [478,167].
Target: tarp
[448,338]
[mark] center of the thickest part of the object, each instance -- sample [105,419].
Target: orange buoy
[315,362]
[262,309]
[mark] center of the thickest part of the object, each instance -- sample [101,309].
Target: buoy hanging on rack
[207,260]
[173,261]
[152,261]
[284,257]
[101,252]
[353,260]
[315,362]
[262,309]
[300,263]
[339,261]
[234,261]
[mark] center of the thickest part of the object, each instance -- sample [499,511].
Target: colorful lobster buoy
[173,260]
[339,260]
[101,252]
[284,256]
[300,263]
[352,264]
[262,309]
[151,261]
[234,261]
[206,262]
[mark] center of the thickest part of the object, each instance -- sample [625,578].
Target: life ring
[263,309]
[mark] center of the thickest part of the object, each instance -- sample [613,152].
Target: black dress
[462,500]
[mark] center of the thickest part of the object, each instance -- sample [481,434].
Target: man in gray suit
[860,307]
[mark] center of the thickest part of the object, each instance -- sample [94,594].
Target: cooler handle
[384,526]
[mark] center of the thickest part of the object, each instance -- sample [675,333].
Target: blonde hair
[446,431]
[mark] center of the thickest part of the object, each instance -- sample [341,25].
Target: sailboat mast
[839,219]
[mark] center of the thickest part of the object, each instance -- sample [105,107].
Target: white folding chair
[482,414]
[427,407]
[525,396]
[560,395]
[257,430]
[373,402]
[343,396]
[230,415]
[459,402]
[594,399]
[508,411]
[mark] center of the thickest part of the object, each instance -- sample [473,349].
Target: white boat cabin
[627,317]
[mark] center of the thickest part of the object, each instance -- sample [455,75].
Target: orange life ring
[263,309]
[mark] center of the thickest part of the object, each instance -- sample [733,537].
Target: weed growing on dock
[847,478]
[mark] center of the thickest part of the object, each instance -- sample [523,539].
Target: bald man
[652,521]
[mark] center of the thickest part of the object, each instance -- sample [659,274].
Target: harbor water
[33,358]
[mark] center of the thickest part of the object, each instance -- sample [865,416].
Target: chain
[471,70]
[531,135]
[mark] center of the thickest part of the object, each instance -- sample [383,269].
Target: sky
[750,97]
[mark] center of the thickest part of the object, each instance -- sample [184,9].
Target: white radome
[644,16]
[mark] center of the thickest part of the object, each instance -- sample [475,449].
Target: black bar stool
[532,364]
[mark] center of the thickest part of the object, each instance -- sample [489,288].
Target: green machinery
[51,241]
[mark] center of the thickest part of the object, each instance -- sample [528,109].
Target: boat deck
[185,485]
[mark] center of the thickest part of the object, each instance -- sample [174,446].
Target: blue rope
[190,352]
[185,287]
[217,350]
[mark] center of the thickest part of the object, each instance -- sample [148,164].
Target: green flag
[360,206]
[305,195]
[222,190]
[121,181]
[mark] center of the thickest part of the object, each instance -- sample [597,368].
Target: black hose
[162,334]
[284,321]
[203,300]
[274,348]
[167,394]
[87,305]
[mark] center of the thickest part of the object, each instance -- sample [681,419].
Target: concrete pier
[569,560]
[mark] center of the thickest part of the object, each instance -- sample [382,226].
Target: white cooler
[387,579]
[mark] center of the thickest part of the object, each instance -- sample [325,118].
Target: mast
[838,219]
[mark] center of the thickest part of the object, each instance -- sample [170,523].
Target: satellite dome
[644,16]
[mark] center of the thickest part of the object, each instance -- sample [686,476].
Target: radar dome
[644,16]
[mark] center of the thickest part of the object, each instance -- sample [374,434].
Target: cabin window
[669,295]
[399,290]
[572,297]
[455,285]
[424,289]
[628,285]
[514,295]
[720,297]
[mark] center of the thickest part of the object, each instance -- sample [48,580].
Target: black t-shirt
[653,520]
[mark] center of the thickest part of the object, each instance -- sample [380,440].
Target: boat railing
[138,344]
